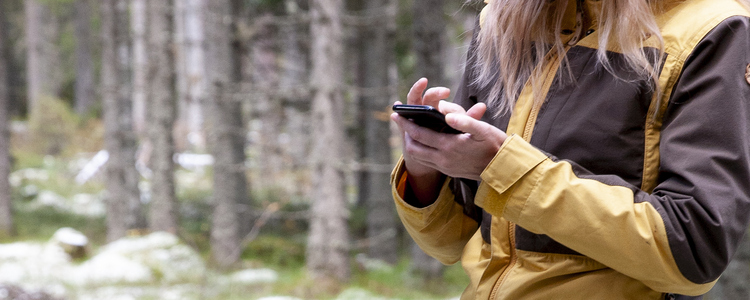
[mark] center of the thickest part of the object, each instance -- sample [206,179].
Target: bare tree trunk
[6,209]
[84,86]
[295,96]
[376,59]
[266,107]
[429,40]
[225,133]
[161,115]
[15,62]
[328,241]
[190,76]
[42,64]
[140,64]
[123,196]
[429,27]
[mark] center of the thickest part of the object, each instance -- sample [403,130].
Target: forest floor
[47,198]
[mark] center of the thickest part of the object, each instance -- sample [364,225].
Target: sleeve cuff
[424,214]
[507,181]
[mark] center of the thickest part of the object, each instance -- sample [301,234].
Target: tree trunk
[191,78]
[429,40]
[429,27]
[267,108]
[295,96]
[15,61]
[140,64]
[328,241]
[84,85]
[6,210]
[42,64]
[161,113]
[225,133]
[123,196]
[376,58]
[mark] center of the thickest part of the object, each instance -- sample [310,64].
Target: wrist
[423,189]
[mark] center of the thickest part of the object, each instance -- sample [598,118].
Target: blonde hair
[516,35]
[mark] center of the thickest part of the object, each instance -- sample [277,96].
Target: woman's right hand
[418,96]
[424,180]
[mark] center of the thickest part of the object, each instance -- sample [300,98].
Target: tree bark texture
[161,115]
[42,60]
[328,241]
[225,133]
[376,59]
[194,67]
[429,28]
[295,96]
[267,107]
[6,209]
[190,74]
[84,84]
[139,18]
[123,195]
[429,41]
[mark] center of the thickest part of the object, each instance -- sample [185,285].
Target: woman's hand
[429,154]
[463,155]
[415,96]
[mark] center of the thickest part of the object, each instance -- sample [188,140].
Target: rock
[129,268]
[30,263]
[254,276]
[72,241]
[12,292]
[357,294]
[157,257]
[108,268]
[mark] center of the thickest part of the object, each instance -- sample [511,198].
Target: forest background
[256,132]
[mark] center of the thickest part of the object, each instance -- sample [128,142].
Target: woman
[606,152]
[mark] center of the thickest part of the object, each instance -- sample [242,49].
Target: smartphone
[425,116]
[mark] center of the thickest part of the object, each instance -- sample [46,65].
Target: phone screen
[425,116]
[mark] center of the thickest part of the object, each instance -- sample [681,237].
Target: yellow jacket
[604,202]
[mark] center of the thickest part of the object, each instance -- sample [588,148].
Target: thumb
[479,130]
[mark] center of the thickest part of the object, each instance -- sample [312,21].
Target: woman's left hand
[463,155]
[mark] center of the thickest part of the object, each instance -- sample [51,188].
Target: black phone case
[425,116]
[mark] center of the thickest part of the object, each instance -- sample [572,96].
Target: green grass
[400,283]
[41,224]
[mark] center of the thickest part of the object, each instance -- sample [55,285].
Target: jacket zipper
[511,264]
[555,61]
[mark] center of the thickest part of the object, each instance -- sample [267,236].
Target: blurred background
[219,149]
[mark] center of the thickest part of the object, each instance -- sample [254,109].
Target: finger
[447,107]
[418,152]
[433,96]
[415,93]
[423,135]
[477,111]
[479,130]
[396,118]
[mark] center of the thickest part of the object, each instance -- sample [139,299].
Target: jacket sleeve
[679,238]
[440,229]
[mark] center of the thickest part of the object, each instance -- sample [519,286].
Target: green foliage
[400,283]
[51,126]
[274,251]
[274,6]
[40,224]
[55,130]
